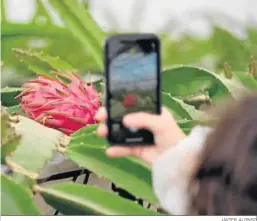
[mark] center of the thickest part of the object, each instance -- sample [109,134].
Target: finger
[118,152]
[123,151]
[102,130]
[101,114]
[148,154]
[166,112]
[144,120]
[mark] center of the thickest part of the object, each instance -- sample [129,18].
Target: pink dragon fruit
[65,107]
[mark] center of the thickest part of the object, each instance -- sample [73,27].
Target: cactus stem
[17,168]
[10,137]
[36,188]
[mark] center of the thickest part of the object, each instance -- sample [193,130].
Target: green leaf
[186,80]
[40,62]
[12,30]
[10,139]
[185,50]
[139,161]
[192,123]
[188,125]
[180,109]
[85,18]
[38,144]
[23,180]
[98,85]
[252,36]
[53,39]
[8,95]
[229,48]
[247,80]
[186,130]
[27,36]
[85,131]
[41,15]
[4,122]
[3,15]
[97,81]
[82,26]
[9,147]
[87,137]
[128,175]
[16,109]
[235,86]
[76,199]
[89,140]
[16,200]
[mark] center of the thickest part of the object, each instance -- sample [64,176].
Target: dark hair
[228,171]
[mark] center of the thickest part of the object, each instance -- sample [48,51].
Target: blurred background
[42,35]
[202,33]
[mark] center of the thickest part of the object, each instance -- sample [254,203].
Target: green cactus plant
[10,138]
[28,147]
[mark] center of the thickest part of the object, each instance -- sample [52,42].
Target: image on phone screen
[133,81]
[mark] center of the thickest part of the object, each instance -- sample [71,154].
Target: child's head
[228,172]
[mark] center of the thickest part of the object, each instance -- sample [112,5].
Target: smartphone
[132,69]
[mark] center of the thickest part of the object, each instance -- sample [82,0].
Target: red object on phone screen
[129,100]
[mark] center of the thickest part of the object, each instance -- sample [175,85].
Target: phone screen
[133,85]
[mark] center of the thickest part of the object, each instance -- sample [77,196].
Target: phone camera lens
[117,132]
[119,136]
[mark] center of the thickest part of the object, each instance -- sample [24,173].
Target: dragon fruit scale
[55,104]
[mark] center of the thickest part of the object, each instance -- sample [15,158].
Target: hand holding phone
[163,126]
[132,68]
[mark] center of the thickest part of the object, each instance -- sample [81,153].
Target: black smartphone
[132,68]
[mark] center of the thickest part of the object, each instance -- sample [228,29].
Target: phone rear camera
[119,136]
[117,133]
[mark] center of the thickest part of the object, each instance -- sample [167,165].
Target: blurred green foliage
[40,46]
[79,41]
